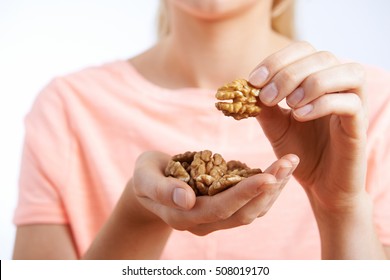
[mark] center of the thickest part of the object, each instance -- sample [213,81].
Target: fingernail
[259,76]
[283,172]
[180,197]
[303,111]
[294,159]
[268,93]
[295,97]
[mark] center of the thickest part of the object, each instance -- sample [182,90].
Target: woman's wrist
[347,229]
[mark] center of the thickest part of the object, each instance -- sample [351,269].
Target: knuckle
[245,219]
[305,45]
[274,62]
[315,83]
[261,214]
[287,75]
[159,192]
[356,100]
[359,71]
[220,214]
[136,187]
[200,231]
[176,222]
[327,57]
[143,157]
[177,226]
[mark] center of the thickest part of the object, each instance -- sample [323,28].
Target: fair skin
[201,52]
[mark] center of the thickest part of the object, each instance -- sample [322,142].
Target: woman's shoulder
[86,88]
[118,70]
[91,82]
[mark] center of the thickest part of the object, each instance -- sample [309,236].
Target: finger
[222,205]
[343,104]
[347,106]
[340,78]
[225,204]
[284,167]
[283,174]
[255,208]
[264,72]
[151,183]
[245,215]
[290,77]
[260,205]
[274,121]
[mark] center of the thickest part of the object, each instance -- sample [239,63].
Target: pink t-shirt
[86,130]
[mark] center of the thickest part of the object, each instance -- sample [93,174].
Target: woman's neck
[208,53]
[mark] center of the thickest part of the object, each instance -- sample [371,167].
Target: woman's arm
[349,233]
[44,242]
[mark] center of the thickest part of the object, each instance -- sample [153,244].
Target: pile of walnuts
[207,174]
[243,97]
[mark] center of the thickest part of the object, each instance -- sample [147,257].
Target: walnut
[180,167]
[186,157]
[206,173]
[175,169]
[225,182]
[238,168]
[244,99]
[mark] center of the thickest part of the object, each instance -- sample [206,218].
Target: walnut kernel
[243,96]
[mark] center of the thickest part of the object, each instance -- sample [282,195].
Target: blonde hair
[282,18]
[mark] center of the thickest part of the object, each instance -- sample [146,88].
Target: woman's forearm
[349,234]
[131,232]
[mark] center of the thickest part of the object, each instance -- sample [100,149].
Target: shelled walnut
[207,174]
[244,99]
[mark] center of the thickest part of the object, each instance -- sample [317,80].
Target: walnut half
[243,96]
[206,173]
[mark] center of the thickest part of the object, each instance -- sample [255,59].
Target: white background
[41,39]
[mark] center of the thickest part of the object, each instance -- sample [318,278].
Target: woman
[89,132]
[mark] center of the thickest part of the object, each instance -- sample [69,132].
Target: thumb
[274,121]
[179,194]
[150,183]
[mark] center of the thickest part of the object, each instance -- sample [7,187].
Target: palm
[330,154]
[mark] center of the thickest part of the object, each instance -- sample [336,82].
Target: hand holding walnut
[326,125]
[174,201]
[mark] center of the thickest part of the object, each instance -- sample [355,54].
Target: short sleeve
[45,160]
[378,169]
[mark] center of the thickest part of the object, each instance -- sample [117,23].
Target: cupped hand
[325,124]
[174,202]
